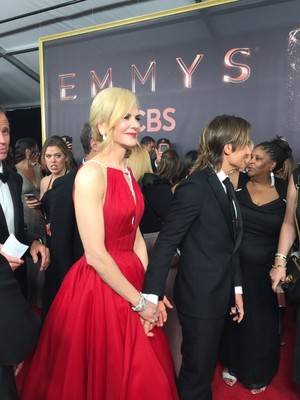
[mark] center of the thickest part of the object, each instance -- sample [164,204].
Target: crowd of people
[105,234]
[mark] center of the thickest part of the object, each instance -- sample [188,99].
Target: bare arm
[90,188]
[140,248]
[288,229]
[287,234]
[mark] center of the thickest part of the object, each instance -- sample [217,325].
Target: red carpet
[281,388]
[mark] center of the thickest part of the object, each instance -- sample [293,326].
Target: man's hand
[162,311]
[38,248]
[238,310]
[14,262]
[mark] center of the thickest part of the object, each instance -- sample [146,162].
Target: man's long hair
[222,130]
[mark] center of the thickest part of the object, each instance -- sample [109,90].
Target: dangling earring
[104,137]
[272,184]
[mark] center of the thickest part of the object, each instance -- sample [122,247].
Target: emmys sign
[186,66]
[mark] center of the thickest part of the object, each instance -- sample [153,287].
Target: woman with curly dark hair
[251,349]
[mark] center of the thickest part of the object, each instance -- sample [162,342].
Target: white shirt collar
[1,167]
[221,175]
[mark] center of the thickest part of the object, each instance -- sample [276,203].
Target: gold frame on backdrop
[108,25]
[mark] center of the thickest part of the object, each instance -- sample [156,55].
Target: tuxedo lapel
[239,225]
[221,197]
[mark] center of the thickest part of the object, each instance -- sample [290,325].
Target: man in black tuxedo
[204,223]
[18,326]
[66,246]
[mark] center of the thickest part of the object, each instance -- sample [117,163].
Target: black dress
[252,347]
[296,374]
[158,197]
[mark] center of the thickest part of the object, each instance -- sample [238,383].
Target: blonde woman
[93,345]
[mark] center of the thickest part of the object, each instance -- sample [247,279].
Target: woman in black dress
[158,193]
[288,235]
[57,158]
[251,349]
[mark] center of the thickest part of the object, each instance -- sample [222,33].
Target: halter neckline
[124,171]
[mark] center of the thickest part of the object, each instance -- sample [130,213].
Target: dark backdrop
[25,123]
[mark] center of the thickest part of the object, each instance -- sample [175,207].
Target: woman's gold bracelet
[278,266]
[280,255]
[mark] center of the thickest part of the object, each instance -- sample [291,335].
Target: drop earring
[272,184]
[104,137]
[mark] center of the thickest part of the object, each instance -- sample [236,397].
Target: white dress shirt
[222,176]
[7,204]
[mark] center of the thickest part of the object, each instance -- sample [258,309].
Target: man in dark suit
[66,246]
[204,222]
[18,327]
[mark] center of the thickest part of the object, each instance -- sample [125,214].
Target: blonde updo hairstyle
[108,108]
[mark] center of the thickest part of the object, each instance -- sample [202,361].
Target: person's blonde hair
[139,161]
[108,108]
[222,130]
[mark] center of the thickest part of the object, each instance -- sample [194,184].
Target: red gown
[92,345]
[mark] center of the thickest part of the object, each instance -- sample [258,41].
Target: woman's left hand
[277,276]
[147,327]
[33,204]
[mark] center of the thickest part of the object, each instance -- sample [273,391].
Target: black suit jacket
[199,223]
[65,244]
[15,186]
[19,326]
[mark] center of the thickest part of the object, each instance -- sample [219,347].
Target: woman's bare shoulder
[89,174]
[45,180]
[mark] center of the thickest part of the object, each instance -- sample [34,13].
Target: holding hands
[152,314]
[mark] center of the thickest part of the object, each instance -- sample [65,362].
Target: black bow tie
[4,177]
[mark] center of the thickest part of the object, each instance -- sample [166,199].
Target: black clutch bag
[292,281]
